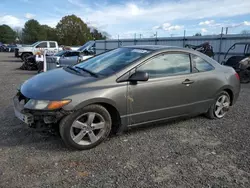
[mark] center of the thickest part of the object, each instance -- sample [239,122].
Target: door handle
[187,82]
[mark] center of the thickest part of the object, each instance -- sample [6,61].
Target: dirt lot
[190,153]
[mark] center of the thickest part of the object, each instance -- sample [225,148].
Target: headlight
[45,104]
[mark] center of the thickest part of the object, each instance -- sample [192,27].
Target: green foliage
[33,32]
[245,32]
[7,35]
[97,35]
[73,31]
[50,32]
[198,34]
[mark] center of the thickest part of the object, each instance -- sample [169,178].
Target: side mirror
[139,76]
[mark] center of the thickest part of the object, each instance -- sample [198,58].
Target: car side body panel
[141,102]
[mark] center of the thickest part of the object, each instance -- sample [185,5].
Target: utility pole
[184,38]
[226,30]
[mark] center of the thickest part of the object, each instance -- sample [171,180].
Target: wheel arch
[26,53]
[110,106]
[230,92]
[231,95]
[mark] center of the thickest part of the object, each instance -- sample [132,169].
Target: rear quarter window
[52,44]
[200,64]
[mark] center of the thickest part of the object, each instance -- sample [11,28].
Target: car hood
[26,48]
[54,85]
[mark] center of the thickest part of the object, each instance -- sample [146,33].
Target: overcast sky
[145,17]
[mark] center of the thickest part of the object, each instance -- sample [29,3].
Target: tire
[211,113]
[70,131]
[24,56]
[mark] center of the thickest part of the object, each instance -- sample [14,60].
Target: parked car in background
[26,51]
[125,87]
[69,57]
[204,48]
[88,47]
[2,47]
[10,48]
[239,62]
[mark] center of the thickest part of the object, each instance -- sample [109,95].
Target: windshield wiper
[71,68]
[88,71]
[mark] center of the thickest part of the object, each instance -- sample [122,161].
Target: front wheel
[24,56]
[220,107]
[86,128]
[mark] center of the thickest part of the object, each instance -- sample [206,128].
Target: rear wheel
[220,107]
[86,128]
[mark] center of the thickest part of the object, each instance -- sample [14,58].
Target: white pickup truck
[40,46]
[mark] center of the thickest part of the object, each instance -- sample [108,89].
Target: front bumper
[32,117]
[19,111]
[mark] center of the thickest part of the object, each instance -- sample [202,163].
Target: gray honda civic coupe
[125,87]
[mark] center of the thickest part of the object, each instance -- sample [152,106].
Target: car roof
[154,47]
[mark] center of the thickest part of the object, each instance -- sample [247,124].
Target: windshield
[85,45]
[35,43]
[60,53]
[113,61]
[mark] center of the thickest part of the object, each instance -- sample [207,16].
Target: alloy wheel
[88,128]
[222,106]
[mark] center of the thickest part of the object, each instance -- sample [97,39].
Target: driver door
[168,92]
[42,47]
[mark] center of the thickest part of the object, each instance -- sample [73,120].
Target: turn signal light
[57,104]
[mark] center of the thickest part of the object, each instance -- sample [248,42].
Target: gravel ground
[189,153]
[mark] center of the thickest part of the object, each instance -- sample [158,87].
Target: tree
[33,32]
[71,30]
[50,32]
[7,35]
[198,34]
[245,32]
[19,34]
[97,35]
[106,35]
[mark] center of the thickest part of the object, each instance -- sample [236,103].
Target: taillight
[237,76]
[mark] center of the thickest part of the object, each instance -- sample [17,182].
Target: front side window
[200,64]
[42,45]
[167,65]
[113,61]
